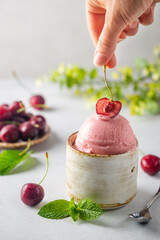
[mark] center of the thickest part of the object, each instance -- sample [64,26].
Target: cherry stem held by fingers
[105,79]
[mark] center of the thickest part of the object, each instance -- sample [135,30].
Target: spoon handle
[153,199]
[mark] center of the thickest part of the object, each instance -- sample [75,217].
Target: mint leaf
[9,159]
[89,209]
[74,213]
[55,210]
[58,209]
[73,210]
[72,203]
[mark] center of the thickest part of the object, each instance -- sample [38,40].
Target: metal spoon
[144,215]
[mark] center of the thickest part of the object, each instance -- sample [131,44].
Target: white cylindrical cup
[110,180]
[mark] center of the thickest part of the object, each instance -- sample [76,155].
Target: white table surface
[17,221]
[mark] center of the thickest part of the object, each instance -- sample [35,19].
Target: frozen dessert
[105,167]
[104,134]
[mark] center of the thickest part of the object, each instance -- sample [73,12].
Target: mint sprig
[86,210]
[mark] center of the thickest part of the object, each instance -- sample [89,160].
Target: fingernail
[99,59]
[134,24]
[148,11]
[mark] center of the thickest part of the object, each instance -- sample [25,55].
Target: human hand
[110,21]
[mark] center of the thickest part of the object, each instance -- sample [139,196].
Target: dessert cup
[110,180]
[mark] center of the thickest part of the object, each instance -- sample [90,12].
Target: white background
[37,35]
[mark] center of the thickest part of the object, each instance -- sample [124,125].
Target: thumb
[106,44]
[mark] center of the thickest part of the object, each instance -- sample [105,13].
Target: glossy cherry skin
[150,164]
[9,133]
[27,116]
[32,194]
[107,107]
[5,113]
[1,125]
[5,105]
[28,131]
[15,106]
[36,100]
[18,119]
[40,122]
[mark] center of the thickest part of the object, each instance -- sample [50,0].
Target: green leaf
[89,209]
[93,73]
[72,203]
[9,159]
[57,209]
[73,210]
[74,213]
[152,107]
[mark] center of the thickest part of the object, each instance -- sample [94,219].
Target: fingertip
[112,62]
[99,59]
[148,17]
[132,28]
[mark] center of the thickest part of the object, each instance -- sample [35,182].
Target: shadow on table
[47,145]
[27,164]
[118,218]
[41,204]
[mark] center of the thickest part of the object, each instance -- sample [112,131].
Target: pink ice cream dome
[103,135]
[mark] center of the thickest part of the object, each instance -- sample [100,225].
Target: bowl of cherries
[17,126]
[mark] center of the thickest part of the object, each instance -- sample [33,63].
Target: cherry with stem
[32,193]
[36,101]
[106,106]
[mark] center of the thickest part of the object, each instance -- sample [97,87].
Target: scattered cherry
[32,193]
[38,102]
[27,130]
[40,122]
[5,113]
[15,106]
[9,133]
[108,107]
[150,164]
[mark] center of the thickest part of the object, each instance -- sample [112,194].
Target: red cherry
[15,106]
[5,105]
[27,130]
[107,107]
[1,125]
[150,164]
[37,101]
[5,113]
[32,194]
[9,133]
[40,122]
